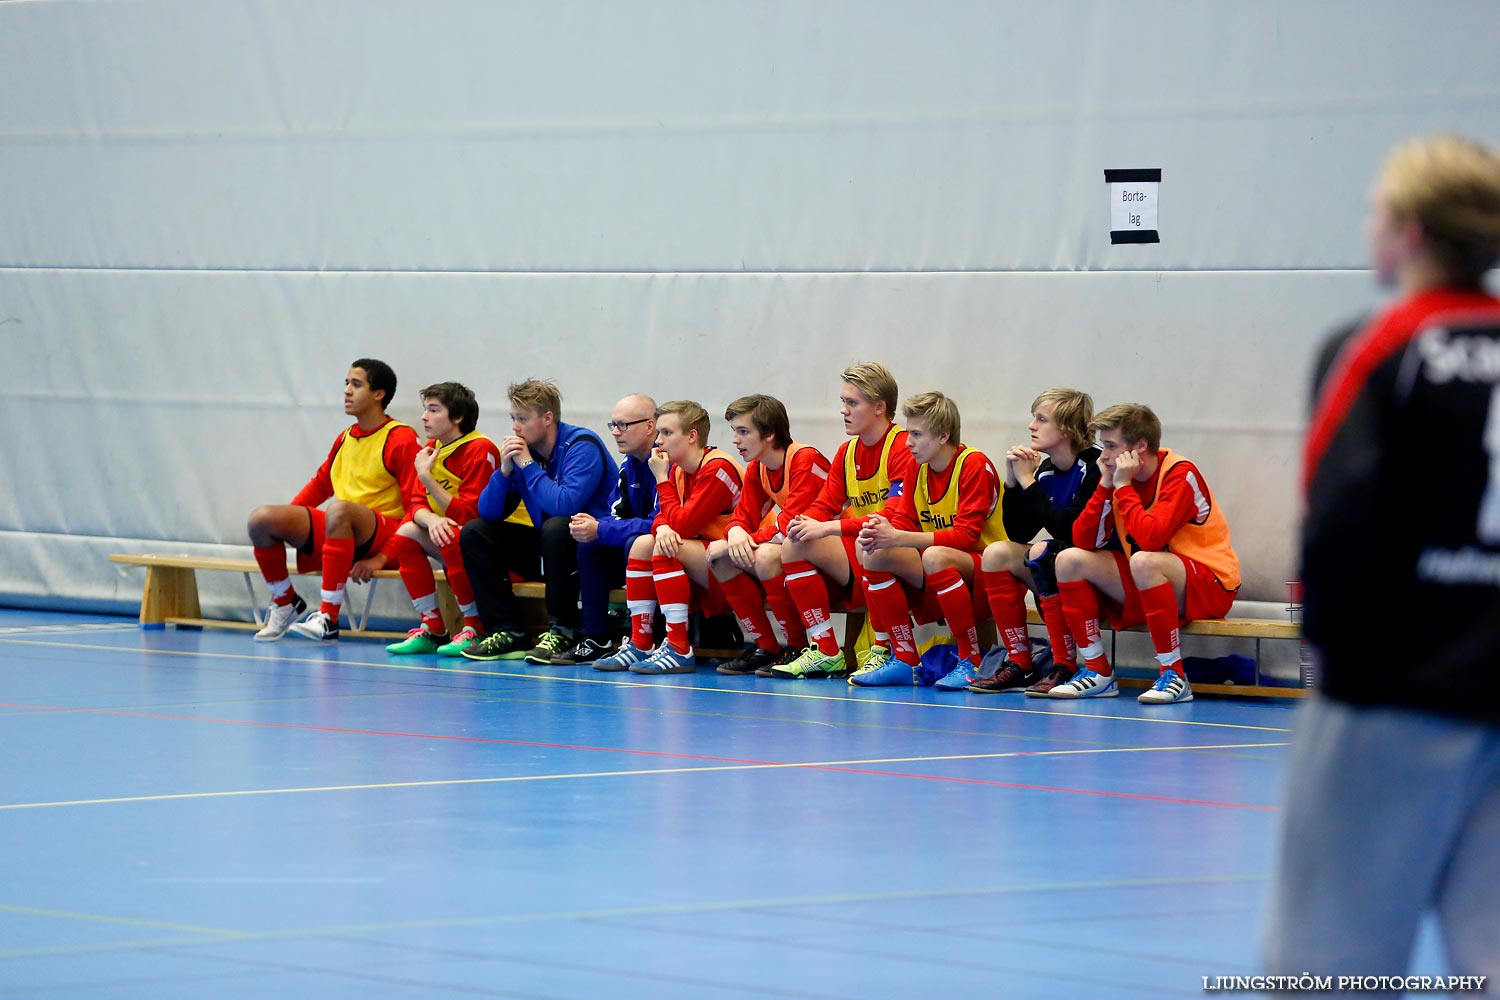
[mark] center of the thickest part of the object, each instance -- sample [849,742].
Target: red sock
[1064,650]
[640,596]
[272,562]
[785,611]
[421,585]
[458,582]
[1160,605]
[338,558]
[750,608]
[1081,607]
[805,584]
[886,600]
[958,610]
[1007,597]
[675,592]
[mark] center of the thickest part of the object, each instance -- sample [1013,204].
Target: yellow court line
[568,679]
[668,909]
[770,766]
[32,911]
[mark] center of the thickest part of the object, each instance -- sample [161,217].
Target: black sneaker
[787,656]
[1057,675]
[498,646]
[1008,678]
[751,659]
[553,642]
[586,650]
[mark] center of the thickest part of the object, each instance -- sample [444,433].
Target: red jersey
[978,498]
[771,499]
[700,504]
[463,469]
[391,482]
[900,471]
[1179,516]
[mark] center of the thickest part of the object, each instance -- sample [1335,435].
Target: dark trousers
[495,549]
[601,568]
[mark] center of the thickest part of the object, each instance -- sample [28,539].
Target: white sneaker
[317,626]
[1170,688]
[1087,684]
[279,618]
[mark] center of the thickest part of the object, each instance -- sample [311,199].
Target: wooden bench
[1233,628]
[170,596]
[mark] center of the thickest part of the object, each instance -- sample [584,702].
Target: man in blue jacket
[603,541]
[557,470]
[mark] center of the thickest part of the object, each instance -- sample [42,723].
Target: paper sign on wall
[1132,205]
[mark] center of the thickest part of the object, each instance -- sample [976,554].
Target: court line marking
[31,911]
[569,679]
[667,909]
[837,766]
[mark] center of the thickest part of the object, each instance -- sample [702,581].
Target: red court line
[651,753]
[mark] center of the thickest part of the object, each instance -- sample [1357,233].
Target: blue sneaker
[960,677]
[1087,684]
[1169,689]
[624,658]
[886,671]
[666,660]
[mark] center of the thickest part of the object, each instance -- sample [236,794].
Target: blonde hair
[874,382]
[1071,412]
[1450,186]
[937,411]
[1134,421]
[538,395]
[691,416]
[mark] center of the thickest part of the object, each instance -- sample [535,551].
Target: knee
[1147,570]
[338,517]
[555,534]
[643,546]
[767,562]
[259,520]
[934,559]
[717,550]
[1070,564]
[471,537]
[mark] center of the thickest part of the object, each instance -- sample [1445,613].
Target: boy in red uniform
[1047,485]
[452,471]
[369,475]
[867,473]
[698,486]
[782,479]
[1153,546]
[931,541]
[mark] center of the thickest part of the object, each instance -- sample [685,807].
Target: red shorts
[310,555]
[924,602]
[710,600]
[1206,597]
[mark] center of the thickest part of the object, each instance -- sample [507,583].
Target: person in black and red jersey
[1393,792]
[369,477]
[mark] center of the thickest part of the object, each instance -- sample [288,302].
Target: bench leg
[170,592]
[448,607]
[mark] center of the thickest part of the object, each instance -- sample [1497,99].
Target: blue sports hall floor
[194,815]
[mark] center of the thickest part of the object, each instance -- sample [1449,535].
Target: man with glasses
[604,540]
[557,470]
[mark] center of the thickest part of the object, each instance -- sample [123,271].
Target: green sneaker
[498,646]
[813,663]
[552,643]
[871,659]
[462,640]
[418,642]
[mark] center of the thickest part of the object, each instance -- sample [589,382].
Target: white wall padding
[211,207]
